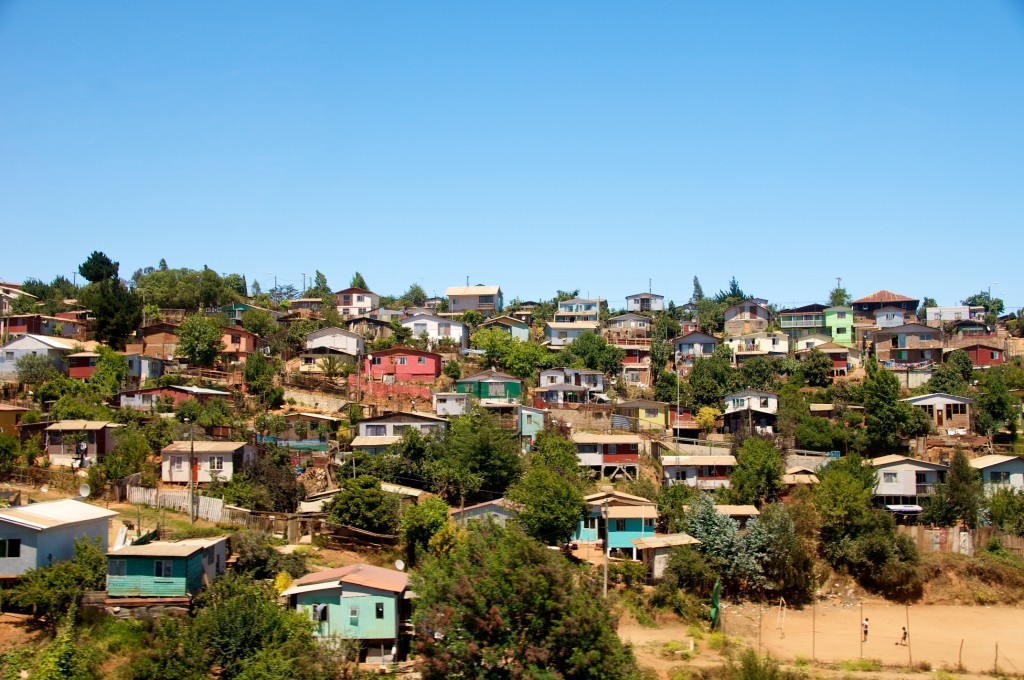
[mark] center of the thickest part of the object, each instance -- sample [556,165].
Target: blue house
[500,511]
[359,602]
[166,569]
[34,536]
[615,519]
[519,330]
[531,421]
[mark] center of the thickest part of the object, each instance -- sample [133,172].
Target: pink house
[403,364]
[238,344]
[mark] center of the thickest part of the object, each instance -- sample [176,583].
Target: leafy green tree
[118,311]
[922,311]
[844,497]
[500,605]
[35,369]
[885,413]
[494,342]
[258,374]
[817,368]
[838,297]
[474,453]
[110,374]
[318,287]
[333,366]
[698,292]
[592,351]
[10,452]
[452,370]
[996,407]
[1006,510]
[962,362]
[129,455]
[419,524]
[673,501]
[993,306]
[668,387]
[711,378]
[523,359]
[947,379]
[98,267]
[50,591]
[358,282]
[199,340]
[960,498]
[786,565]
[722,545]
[259,321]
[361,503]
[551,504]
[757,477]
[732,294]
[710,316]
[707,417]
[23,304]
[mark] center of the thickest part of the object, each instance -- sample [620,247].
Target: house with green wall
[614,519]
[359,602]
[839,324]
[491,385]
[165,569]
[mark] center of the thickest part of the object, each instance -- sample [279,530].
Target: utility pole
[191,472]
[604,511]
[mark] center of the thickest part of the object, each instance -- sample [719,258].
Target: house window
[399,430]
[998,477]
[613,449]
[764,402]
[177,462]
[163,569]
[9,356]
[444,330]
[680,475]
[401,361]
[376,361]
[586,448]
[956,410]
[376,430]
[590,523]
[620,525]
[650,413]
[921,477]
[236,339]
[840,315]
[353,617]
[993,355]
[529,419]
[649,524]
[419,329]
[216,462]
[379,610]
[841,331]
[889,477]
[10,547]
[925,337]
[421,361]
[117,567]
[495,389]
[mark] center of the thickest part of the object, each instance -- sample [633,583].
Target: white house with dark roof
[904,482]
[37,535]
[645,302]
[213,460]
[756,409]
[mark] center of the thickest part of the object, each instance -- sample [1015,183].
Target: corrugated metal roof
[51,514]
[77,425]
[664,541]
[590,438]
[472,290]
[698,460]
[982,462]
[374,441]
[203,447]
[182,548]
[359,574]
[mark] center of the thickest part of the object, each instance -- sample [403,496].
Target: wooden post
[910,654]
[814,629]
[759,611]
[860,630]
[960,656]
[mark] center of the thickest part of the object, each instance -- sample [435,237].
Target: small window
[353,617]
[993,355]
[620,525]
[177,462]
[999,477]
[401,361]
[216,462]
[650,413]
[590,523]
[380,610]
[9,356]
[841,331]
[529,419]
[236,339]
[376,430]
[889,477]
[117,567]
[376,361]
[680,475]
[648,524]
[10,547]
[422,361]
[163,569]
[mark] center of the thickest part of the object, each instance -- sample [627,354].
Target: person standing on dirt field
[864,628]
[903,638]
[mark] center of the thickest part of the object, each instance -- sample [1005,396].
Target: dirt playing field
[936,634]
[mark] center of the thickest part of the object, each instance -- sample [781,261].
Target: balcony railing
[926,489]
[794,323]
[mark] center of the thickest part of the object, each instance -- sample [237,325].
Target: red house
[983,354]
[82,365]
[403,364]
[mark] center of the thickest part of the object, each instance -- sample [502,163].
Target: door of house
[938,416]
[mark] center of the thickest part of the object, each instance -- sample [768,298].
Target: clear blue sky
[534,145]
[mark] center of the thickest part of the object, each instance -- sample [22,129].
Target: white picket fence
[207,508]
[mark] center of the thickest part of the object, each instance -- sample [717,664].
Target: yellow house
[649,414]
[10,416]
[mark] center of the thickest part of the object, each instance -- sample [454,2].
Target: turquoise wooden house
[531,421]
[165,569]
[359,602]
[491,386]
[519,330]
[614,520]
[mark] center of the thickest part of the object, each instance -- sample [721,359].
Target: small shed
[654,550]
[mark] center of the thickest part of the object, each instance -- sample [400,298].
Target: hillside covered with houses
[681,440]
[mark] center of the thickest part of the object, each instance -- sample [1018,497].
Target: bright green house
[491,385]
[165,569]
[359,602]
[839,322]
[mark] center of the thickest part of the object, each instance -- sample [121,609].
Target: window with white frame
[889,477]
[353,617]
[590,523]
[401,361]
[376,430]
[680,475]
[495,389]
[177,462]
[216,463]
[421,361]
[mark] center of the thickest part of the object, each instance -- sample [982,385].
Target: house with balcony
[609,456]
[491,386]
[749,316]
[79,444]
[368,327]
[936,316]
[839,325]
[645,302]
[771,343]
[647,414]
[904,483]
[214,460]
[908,344]
[356,302]
[378,433]
[692,346]
[754,410]
[358,602]
[517,329]
[844,359]
[946,411]
[559,334]
[9,292]
[578,310]
[590,380]
[632,325]
[614,519]
[799,322]
[39,534]
[867,306]
[438,331]
[702,466]
[486,300]
[402,365]
[1000,472]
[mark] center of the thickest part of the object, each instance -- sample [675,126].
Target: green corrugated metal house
[360,602]
[491,385]
[171,569]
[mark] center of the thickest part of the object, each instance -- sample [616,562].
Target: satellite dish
[84,491]
[399,565]
[44,488]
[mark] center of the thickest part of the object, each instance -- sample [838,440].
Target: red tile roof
[884,296]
